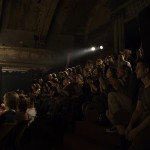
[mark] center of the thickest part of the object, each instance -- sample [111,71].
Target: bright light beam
[101,47]
[93,48]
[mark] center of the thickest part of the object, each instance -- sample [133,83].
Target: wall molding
[28,58]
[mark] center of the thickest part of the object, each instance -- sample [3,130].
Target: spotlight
[92,48]
[101,47]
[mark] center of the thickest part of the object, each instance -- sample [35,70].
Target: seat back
[17,133]
[5,131]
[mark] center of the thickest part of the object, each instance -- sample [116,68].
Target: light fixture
[93,48]
[101,47]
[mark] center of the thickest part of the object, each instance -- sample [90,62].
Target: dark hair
[19,91]
[23,103]
[113,71]
[115,56]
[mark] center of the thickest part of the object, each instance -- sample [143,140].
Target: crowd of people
[117,87]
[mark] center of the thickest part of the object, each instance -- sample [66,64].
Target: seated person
[119,105]
[140,121]
[22,109]
[11,100]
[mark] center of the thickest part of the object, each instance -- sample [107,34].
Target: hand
[132,134]
[129,128]
[58,87]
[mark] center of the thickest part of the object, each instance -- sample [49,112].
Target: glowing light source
[101,47]
[93,48]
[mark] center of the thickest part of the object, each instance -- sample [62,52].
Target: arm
[133,133]
[62,91]
[136,114]
[145,123]
[134,117]
[92,86]
[65,92]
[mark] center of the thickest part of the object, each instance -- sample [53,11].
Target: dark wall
[132,35]
[15,80]
[17,38]
[144,19]
[0,81]
[132,38]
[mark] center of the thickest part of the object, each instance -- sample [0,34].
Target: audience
[108,85]
[140,121]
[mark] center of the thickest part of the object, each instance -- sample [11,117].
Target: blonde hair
[11,100]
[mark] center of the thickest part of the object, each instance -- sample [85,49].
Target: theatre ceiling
[46,17]
[59,26]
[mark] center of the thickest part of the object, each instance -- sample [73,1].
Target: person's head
[115,56]
[127,53]
[78,69]
[69,71]
[111,72]
[121,56]
[60,75]
[11,100]
[123,70]
[96,72]
[35,87]
[40,81]
[45,88]
[23,103]
[99,62]
[86,72]
[65,74]
[19,91]
[54,75]
[73,70]
[66,81]
[110,59]
[89,64]
[49,77]
[54,82]
[79,79]
[139,54]
[111,75]
[143,68]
